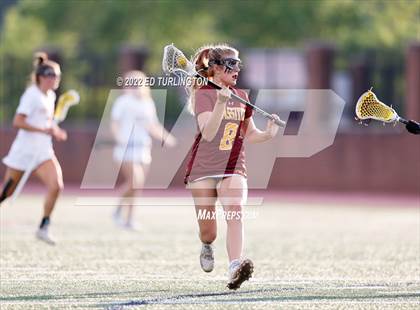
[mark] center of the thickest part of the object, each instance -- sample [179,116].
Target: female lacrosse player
[134,123]
[216,167]
[32,146]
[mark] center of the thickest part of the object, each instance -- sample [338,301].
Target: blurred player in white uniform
[133,124]
[33,146]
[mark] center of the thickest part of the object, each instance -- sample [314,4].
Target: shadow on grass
[230,297]
[182,298]
[177,299]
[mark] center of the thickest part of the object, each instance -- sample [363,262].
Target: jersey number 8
[229,135]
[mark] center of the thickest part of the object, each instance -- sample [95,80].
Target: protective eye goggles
[48,72]
[229,63]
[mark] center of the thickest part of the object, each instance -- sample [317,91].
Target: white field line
[169,300]
[307,284]
[147,277]
[309,302]
[151,201]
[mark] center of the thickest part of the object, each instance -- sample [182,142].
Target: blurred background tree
[88,35]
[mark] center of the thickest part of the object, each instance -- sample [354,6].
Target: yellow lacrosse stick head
[65,101]
[369,107]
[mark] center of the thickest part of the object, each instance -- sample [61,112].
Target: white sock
[233,264]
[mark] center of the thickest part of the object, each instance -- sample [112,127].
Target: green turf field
[306,256]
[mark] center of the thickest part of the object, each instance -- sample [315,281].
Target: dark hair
[43,67]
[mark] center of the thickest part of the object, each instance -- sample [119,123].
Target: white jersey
[39,110]
[133,115]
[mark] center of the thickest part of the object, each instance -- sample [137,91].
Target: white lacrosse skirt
[30,149]
[23,156]
[140,155]
[133,115]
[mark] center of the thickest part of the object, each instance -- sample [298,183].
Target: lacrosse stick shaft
[254,107]
[174,61]
[403,120]
[24,178]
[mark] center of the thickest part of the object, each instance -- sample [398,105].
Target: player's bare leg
[134,175]
[205,196]
[129,173]
[233,193]
[10,181]
[49,172]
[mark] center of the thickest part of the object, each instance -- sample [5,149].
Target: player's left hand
[170,141]
[272,128]
[59,134]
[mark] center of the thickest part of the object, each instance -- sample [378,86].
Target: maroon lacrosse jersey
[224,155]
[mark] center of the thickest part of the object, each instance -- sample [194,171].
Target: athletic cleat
[239,272]
[207,257]
[42,234]
[116,217]
[131,226]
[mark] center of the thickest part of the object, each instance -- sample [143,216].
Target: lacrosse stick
[175,62]
[369,107]
[65,101]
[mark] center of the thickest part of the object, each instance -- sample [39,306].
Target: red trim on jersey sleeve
[248,109]
[248,112]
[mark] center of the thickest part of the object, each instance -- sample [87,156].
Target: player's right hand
[223,95]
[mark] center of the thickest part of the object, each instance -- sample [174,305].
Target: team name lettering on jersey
[237,114]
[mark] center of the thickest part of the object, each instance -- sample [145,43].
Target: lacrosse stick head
[369,107]
[65,101]
[175,62]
